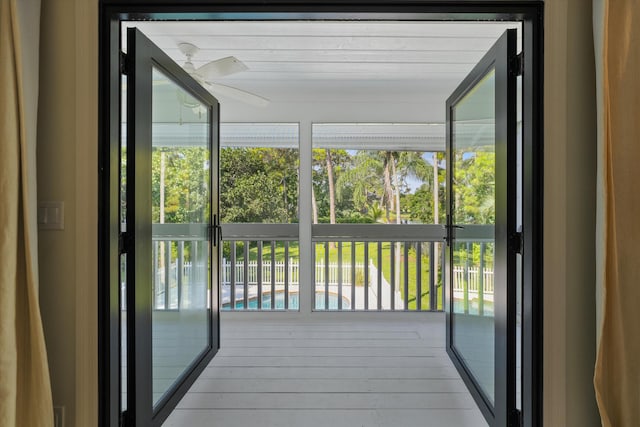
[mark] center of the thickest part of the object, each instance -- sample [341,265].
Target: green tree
[379,178]
[408,164]
[330,163]
[258,185]
[422,206]
[474,181]
[180,185]
[361,181]
[419,205]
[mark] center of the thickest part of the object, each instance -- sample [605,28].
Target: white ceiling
[340,71]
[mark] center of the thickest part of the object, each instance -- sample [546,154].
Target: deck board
[331,373]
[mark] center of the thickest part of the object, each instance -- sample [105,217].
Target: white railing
[365,272]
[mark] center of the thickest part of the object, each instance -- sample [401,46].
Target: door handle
[215,231]
[449,232]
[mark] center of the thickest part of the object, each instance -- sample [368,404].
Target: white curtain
[617,371]
[25,391]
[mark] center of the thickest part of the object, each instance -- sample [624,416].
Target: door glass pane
[519,272]
[473,190]
[123,257]
[180,212]
[123,332]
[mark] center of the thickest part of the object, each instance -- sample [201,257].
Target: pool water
[294,303]
[458,308]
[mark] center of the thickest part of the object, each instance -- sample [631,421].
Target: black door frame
[502,59]
[142,57]
[112,12]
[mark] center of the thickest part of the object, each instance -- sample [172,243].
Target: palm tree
[314,205]
[405,164]
[332,192]
[363,178]
[375,212]
[394,167]
[378,178]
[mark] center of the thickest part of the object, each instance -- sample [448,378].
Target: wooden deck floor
[330,373]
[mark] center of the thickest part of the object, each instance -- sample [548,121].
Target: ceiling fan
[219,68]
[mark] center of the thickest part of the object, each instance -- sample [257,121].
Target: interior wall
[56,181]
[569,216]
[67,170]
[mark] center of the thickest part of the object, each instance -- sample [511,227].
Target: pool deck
[330,372]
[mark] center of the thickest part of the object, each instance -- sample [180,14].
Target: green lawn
[294,250]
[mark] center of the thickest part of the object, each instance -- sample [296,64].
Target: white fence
[186,288]
[461,276]
[292,270]
[334,272]
[471,276]
[282,273]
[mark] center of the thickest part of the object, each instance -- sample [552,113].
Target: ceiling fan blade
[221,67]
[238,94]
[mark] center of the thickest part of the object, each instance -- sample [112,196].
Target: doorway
[528,17]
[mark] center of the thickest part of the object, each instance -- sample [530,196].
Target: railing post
[467,279]
[432,278]
[167,269]
[443,272]
[317,271]
[418,276]
[232,287]
[326,276]
[286,275]
[181,273]
[195,271]
[339,275]
[259,274]
[392,274]
[406,275]
[156,266]
[273,275]
[366,275]
[353,275]
[245,274]
[379,277]
[481,281]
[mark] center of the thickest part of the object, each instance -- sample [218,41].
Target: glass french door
[481,231]
[172,245]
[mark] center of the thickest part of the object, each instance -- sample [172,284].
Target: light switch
[51,215]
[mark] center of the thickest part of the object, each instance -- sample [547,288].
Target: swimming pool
[294,303]
[474,308]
